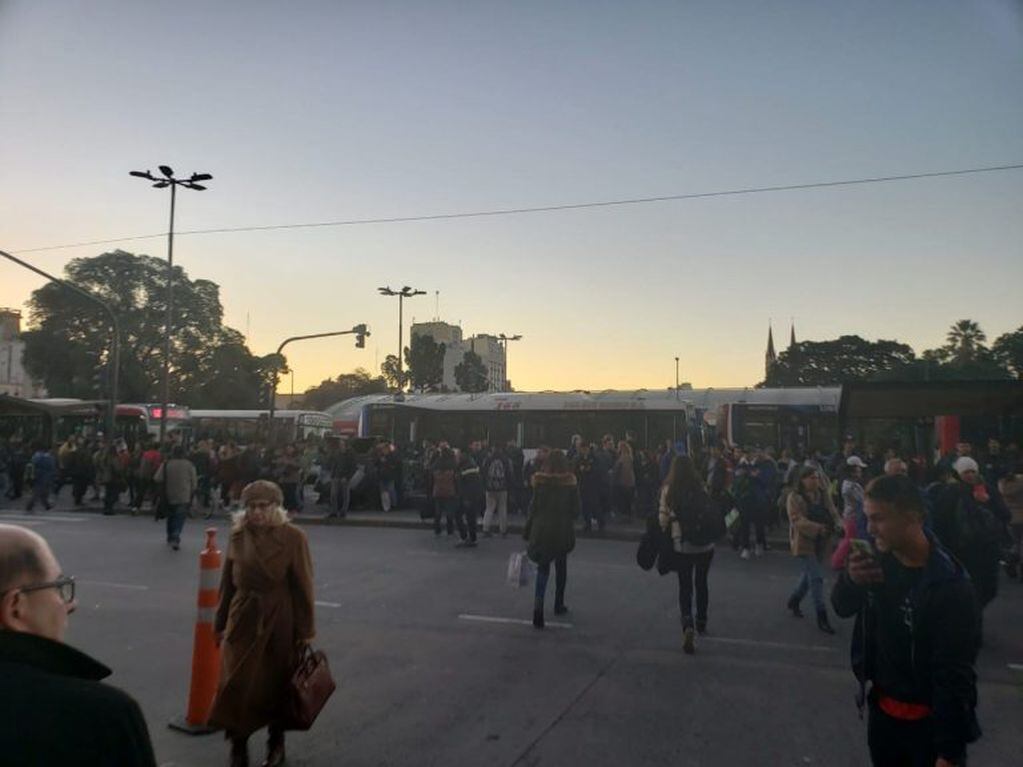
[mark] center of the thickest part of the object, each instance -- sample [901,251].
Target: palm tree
[965,340]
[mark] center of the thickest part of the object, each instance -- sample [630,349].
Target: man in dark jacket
[54,710]
[916,634]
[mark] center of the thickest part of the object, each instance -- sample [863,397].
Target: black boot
[561,609]
[274,748]
[793,605]
[823,623]
[538,614]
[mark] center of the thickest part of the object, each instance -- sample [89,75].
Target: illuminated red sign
[172,413]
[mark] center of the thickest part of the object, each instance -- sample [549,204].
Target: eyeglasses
[65,585]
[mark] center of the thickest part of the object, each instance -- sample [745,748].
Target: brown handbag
[310,686]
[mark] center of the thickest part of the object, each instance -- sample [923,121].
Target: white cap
[854,460]
[964,464]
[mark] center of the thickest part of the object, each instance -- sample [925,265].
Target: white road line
[112,585]
[759,643]
[43,518]
[515,621]
[1016,666]
[327,604]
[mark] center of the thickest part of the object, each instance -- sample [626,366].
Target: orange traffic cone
[205,652]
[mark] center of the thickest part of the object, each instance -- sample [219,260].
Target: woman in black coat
[550,529]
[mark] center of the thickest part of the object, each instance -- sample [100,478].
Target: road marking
[515,621]
[1016,666]
[43,518]
[327,604]
[759,643]
[110,584]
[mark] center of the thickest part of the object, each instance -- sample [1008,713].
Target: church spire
[792,335]
[771,358]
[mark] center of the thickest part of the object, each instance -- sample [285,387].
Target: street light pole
[405,292]
[161,183]
[361,331]
[506,339]
[676,379]
[115,345]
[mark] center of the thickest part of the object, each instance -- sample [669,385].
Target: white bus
[244,427]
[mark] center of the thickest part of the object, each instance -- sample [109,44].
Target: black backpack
[702,525]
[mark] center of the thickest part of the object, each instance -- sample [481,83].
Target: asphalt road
[438,664]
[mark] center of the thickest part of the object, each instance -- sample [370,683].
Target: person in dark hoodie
[471,495]
[916,634]
[550,529]
[54,708]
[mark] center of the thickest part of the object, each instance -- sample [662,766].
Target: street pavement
[438,663]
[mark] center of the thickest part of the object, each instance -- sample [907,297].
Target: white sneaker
[744,554]
[758,551]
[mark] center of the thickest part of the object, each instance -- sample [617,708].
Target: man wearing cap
[971,524]
[53,708]
[916,635]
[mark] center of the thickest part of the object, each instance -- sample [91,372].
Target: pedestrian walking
[470,497]
[497,477]
[264,619]
[54,709]
[588,476]
[812,522]
[108,474]
[916,634]
[687,515]
[753,503]
[43,470]
[1011,488]
[623,480]
[854,522]
[445,490]
[341,465]
[178,481]
[550,530]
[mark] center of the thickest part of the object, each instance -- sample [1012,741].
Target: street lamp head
[200,177]
[196,187]
[387,291]
[166,170]
[161,184]
[142,174]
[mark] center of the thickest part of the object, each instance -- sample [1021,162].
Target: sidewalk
[630,530]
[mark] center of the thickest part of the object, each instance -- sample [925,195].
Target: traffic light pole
[115,345]
[359,330]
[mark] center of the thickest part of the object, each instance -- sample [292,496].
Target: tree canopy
[471,373]
[360,381]
[424,359]
[68,344]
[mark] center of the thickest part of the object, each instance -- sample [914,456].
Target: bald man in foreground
[53,708]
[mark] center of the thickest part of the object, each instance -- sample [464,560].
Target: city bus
[245,427]
[135,422]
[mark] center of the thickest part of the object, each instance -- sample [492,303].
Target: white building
[488,347]
[13,378]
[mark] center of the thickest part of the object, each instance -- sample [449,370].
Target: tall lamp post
[192,182]
[505,339]
[115,344]
[359,331]
[405,292]
[676,379]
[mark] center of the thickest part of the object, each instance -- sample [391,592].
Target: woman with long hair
[623,480]
[684,514]
[812,523]
[264,619]
[550,529]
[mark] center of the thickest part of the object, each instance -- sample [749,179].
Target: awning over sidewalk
[922,399]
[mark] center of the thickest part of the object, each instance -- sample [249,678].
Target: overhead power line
[549,208]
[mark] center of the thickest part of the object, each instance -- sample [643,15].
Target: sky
[324,110]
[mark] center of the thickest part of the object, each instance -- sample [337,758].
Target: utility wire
[549,208]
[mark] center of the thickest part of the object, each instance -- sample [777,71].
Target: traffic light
[360,336]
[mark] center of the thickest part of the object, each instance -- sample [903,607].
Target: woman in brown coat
[812,522]
[265,616]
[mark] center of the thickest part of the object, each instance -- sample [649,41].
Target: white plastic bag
[520,570]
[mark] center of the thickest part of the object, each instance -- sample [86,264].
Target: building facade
[489,348]
[14,380]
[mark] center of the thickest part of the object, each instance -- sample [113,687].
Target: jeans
[111,494]
[897,743]
[388,495]
[693,567]
[447,508]
[812,578]
[623,497]
[543,573]
[340,493]
[175,521]
[497,501]
[41,493]
[592,508]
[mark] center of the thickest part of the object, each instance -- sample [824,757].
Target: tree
[965,341]
[964,357]
[830,363]
[69,339]
[391,374]
[425,361]
[471,373]
[347,385]
[1008,351]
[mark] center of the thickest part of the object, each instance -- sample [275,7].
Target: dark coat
[55,710]
[266,609]
[550,528]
